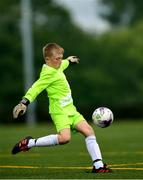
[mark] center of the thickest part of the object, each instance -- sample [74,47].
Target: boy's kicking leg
[92,146]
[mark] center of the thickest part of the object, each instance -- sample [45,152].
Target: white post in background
[28,59]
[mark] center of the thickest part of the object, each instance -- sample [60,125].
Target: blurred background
[105,34]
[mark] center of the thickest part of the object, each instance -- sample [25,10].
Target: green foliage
[10,55]
[117,81]
[123,12]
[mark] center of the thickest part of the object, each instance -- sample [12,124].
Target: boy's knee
[64,139]
[84,128]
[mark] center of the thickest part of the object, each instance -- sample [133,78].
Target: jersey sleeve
[39,85]
[65,64]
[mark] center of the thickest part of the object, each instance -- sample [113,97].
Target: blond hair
[50,48]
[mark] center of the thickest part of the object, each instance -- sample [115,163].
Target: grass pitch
[121,146]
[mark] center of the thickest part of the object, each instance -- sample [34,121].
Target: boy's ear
[46,59]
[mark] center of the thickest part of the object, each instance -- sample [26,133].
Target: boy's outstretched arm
[39,85]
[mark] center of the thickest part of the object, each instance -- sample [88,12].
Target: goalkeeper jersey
[58,90]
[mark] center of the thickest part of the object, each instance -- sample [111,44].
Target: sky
[85,14]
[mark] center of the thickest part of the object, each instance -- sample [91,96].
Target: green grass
[121,145]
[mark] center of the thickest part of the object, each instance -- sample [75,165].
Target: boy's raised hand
[73,59]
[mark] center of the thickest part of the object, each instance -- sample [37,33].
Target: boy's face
[56,59]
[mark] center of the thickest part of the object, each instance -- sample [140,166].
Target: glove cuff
[25,101]
[72,63]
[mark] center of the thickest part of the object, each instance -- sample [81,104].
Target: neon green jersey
[58,90]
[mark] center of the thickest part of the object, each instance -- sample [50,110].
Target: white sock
[31,143]
[50,140]
[94,151]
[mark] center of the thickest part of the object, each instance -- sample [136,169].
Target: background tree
[123,12]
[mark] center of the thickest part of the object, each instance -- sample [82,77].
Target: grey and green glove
[20,109]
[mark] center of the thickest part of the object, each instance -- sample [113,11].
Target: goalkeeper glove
[20,109]
[73,59]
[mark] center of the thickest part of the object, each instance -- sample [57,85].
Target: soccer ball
[102,117]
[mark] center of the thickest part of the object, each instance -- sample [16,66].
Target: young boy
[61,108]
